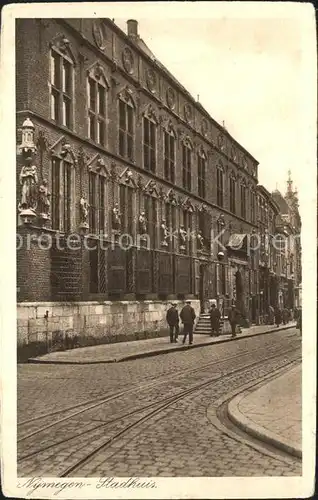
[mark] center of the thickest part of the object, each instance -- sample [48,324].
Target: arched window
[150,140]
[202,161]
[186,164]
[61,82]
[97,87]
[97,202]
[243,200]
[232,194]
[169,154]
[220,184]
[126,130]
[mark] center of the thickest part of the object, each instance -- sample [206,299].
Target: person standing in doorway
[173,322]
[215,317]
[234,317]
[187,316]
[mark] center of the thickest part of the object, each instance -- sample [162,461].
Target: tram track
[95,403]
[155,408]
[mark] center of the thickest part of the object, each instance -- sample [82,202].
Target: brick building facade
[131,160]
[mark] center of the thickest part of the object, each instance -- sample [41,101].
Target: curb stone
[157,352]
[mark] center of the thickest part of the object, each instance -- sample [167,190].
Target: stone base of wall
[47,326]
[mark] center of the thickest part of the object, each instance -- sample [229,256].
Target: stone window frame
[96,75]
[100,174]
[187,158]
[67,167]
[202,162]
[60,49]
[125,99]
[170,160]
[232,190]
[220,172]
[243,199]
[150,148]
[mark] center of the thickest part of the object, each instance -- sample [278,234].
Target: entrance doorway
[201,288]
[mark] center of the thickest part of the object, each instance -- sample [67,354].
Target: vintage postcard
[159,306]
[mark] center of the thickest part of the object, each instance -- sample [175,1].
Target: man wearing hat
[173,322]
[187,316]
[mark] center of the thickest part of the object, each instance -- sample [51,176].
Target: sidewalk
[123,351]
[272,413]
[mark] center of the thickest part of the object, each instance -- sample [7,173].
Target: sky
[251,71]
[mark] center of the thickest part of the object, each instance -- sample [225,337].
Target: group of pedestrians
[215,320]
[187,316]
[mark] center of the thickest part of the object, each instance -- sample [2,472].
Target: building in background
[144,196]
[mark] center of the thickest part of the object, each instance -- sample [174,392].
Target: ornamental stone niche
[171,98]
[188,113]
[99,34]
[151,80]
[28,176]
[128,60]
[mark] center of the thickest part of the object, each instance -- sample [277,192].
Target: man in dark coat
[278,317]
[173,322]
[234,317]
[187,316]
[285,315]
[215,317]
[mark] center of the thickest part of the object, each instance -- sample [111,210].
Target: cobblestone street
[151,416]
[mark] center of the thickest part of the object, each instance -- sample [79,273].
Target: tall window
[170,216]
[149,145]
[62,181]
[126,208]
[201,174]
[169,156]
[219,186]
[187,223]
[97,202]
[126,129]
[96,90]
[232,195]
[243,201]
[186,165]
[253,207]
[61,88]
[150,205]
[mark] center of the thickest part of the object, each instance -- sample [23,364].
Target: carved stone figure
[182,238]
[142,223]
[200,240]
[116,219]
[84,206]
[164,233]
[28,183]
[44,200]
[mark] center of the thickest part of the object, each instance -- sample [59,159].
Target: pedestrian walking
[278,317]
[187,316]
[172,318]
[285,315]
[215,317]
[234,317]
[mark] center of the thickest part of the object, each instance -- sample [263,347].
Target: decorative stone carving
[164,233]
[44,201]
[182,238]
[204,127]
[84,209]
[221,220]
[99,34]
[142,223]
[200,240]
[188,113]
[116,218]
[128,60]
[221,142]
[171,98]
[28,183]
[151,80]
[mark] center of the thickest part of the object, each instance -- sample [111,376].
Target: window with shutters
[186,165]
[126,128]
[232,194]
[243,201]
[219,186]
[150,208]
[201,174]
[62,194]
[96,102]
[126,194]
[61,86]
[169,155]
[149,144]
[97,202]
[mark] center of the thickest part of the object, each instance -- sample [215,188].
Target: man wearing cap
[187,316]
[173,322]
[215,317]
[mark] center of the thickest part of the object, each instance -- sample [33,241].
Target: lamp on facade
[220,256]
[27,142]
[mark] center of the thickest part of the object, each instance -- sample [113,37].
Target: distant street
[157,416]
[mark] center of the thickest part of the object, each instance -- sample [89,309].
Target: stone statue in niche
[164,233]
[29,189]
[44,200]
[200,240]
[116,218]
[182,238]
[142,223]
[84,208]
